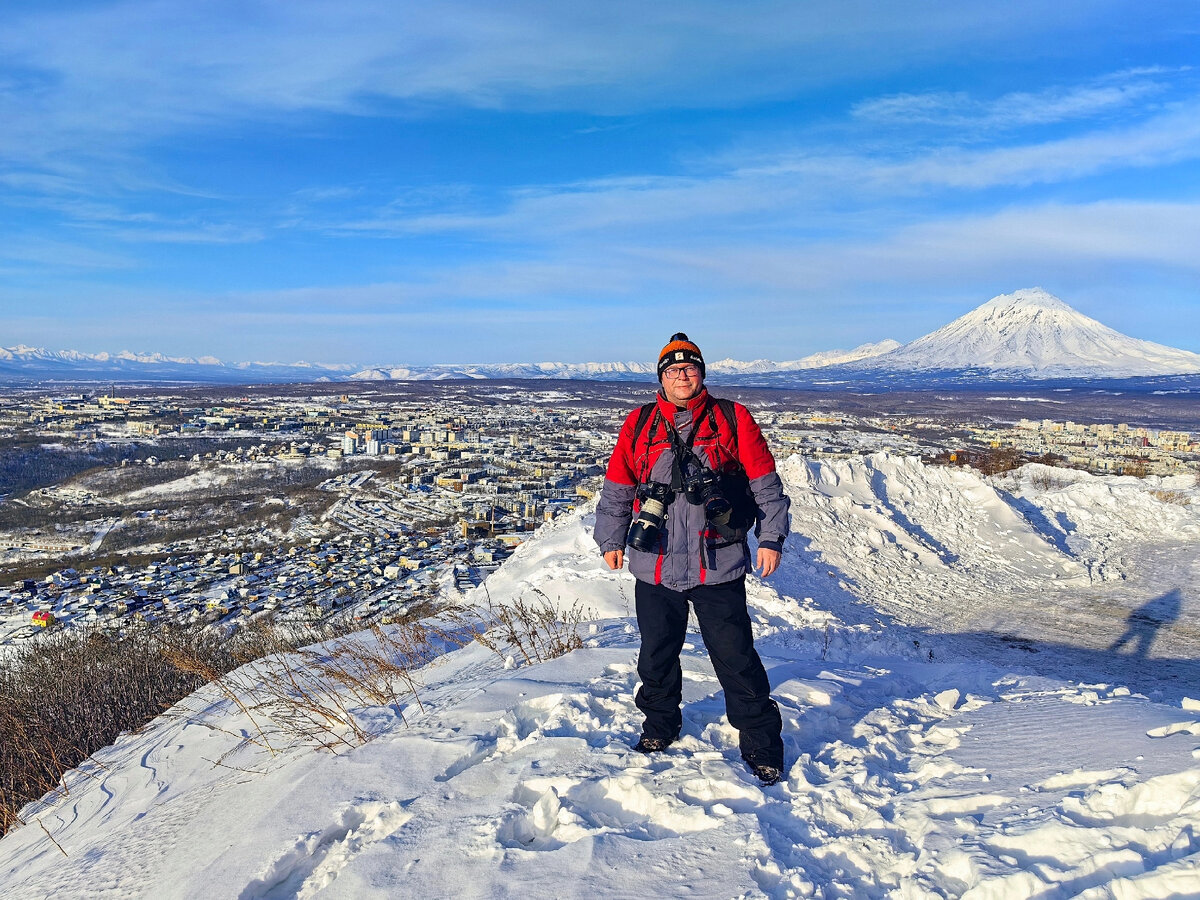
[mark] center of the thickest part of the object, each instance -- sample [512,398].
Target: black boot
[768,775]
[651,744]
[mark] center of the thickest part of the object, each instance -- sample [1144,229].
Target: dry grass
[311,696]
[1176,498]
[537,629]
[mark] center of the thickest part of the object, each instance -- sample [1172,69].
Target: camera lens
[645,532]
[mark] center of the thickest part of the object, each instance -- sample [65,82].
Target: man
[698,474]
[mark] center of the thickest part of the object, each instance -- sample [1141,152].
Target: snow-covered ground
[957,723]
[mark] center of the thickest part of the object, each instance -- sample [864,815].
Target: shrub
[1138,468]
[67,695]
[73,691]
[1045,480]
[997,460]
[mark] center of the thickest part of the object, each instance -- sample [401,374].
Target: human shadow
[1144,623]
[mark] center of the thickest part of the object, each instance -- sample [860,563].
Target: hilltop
[941,645]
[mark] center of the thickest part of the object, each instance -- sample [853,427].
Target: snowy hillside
[955,722]
[1033,332]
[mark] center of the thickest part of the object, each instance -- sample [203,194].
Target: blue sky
[393,182]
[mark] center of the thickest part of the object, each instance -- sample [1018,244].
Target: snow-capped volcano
[1033,332]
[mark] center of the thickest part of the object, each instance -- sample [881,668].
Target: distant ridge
[22,363]
[620,371]
[1029,333]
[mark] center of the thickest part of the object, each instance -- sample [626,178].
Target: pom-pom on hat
[679,350]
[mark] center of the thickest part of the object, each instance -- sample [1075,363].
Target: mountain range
[1028,333]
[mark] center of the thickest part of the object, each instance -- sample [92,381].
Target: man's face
[681,383]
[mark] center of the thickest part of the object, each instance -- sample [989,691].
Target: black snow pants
[662,616]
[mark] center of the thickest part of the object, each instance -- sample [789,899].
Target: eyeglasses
[679,371]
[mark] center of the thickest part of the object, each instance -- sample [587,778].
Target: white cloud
[790,197]
[44,252]
[1021,242]
[717,272]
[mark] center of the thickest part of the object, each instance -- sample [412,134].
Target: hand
[615,559]
[768,561]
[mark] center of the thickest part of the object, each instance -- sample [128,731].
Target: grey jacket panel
[773,507]
[614,512]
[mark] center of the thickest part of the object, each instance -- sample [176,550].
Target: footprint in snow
[315,860]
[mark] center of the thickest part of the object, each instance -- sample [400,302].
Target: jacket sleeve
[765,484]
[615,508]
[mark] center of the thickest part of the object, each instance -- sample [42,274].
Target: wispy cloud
[61,254]
[1165,139]
[110,76]
[1050,238]
[813,193]
[197,234]
[1107,94]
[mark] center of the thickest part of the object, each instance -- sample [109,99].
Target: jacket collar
[696,406]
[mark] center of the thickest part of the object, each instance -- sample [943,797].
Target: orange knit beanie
[679,350]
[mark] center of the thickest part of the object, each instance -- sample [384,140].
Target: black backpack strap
[736,484]
[730,414]
[644,415]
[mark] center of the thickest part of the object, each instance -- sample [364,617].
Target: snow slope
[921,762]
[1033,332]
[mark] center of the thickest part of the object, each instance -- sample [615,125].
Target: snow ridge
[618,370]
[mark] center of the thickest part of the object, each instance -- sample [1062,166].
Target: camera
[644,532]
[704,487]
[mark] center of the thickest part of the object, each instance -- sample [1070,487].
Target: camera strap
[729,534]
[682,451]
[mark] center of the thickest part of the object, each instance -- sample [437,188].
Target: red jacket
[715,440]
[690,552]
